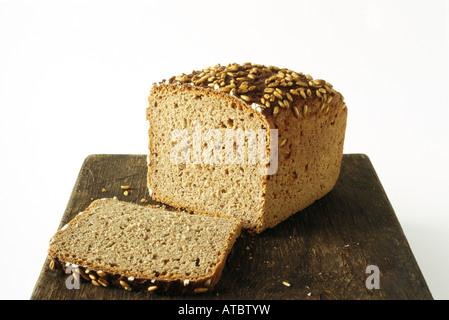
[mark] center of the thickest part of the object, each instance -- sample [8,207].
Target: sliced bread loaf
[144,248]
[206,135]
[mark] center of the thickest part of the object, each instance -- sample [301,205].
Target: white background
[74,77]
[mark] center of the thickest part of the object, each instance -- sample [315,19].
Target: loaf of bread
[115,243]
[300,123]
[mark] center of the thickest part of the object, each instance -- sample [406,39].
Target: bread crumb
[126,192]
[103,190]
[285,283]
[126,187]
[143,200]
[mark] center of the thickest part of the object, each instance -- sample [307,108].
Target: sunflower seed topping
[268,86]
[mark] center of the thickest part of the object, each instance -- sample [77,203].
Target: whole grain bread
[305,153]
[115,243]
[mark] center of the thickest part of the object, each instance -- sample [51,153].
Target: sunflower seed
[96,283]
[125,285]
[83,274]
[246,98]
[103,282]
[152,288]
[277,95]
[294,92]
[283,142]
[295,110]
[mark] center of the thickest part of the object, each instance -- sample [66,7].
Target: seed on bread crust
[246,98]
[125,285]
[252,82]
[295,110]
[96,283]
[83,274]
[103,282]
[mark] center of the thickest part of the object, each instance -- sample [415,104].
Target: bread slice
[144,248]
[301,121]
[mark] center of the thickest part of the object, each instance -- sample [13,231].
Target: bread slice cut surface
[145,247]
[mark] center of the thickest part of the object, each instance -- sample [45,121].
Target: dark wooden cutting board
[320,253]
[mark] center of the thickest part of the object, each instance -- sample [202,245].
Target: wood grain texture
[322,252]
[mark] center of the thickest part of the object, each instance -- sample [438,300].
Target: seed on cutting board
[152,288]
